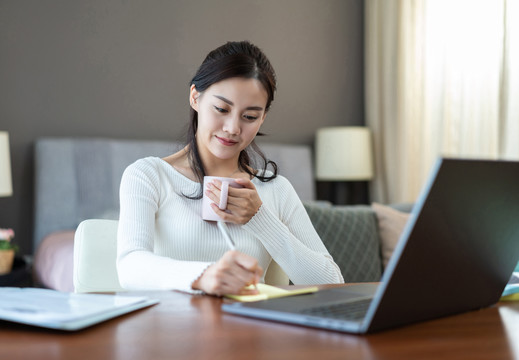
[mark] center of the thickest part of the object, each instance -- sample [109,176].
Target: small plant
[6,235]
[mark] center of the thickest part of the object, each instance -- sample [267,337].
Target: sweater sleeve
[138,267]
[291,239]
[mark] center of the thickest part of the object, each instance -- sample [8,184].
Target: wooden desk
[193,327]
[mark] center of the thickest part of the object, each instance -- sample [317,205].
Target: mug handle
[224,195]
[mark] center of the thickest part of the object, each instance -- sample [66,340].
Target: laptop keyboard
[355,310]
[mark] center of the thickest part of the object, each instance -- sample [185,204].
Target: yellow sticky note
[270,292]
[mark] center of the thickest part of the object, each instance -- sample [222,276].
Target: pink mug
[207,211]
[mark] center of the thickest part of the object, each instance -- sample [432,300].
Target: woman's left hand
[242,203]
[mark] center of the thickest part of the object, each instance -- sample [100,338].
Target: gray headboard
[78,178]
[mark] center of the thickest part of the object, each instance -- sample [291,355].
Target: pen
[225,232]
[230,243]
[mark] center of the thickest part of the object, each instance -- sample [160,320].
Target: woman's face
[230,113]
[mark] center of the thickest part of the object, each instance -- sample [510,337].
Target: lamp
[6,186]
[344,155]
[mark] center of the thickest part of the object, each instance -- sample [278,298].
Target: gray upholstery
[350,234]
[78,178]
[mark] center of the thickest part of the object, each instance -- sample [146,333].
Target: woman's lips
[226,142]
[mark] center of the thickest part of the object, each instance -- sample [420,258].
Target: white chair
[95,253]
[275,275]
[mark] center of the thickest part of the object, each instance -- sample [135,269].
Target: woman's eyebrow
[258,108]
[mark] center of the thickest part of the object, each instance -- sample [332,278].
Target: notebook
[456,254]
[271,292]
[64,311]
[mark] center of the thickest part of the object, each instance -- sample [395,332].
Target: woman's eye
[250,117]
[220,110]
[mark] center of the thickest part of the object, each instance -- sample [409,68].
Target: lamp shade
[343,153]
[6,186]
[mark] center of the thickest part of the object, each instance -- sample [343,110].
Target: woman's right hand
[230,275]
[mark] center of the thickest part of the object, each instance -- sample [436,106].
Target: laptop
[456,254]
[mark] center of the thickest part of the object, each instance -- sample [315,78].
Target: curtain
[441,76]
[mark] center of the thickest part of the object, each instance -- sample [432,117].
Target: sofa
[78,179]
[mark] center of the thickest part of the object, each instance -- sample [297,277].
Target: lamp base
[343,192]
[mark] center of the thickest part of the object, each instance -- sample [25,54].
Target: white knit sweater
[163,242]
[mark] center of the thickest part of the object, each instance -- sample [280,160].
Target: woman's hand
[242,203]
[230,275]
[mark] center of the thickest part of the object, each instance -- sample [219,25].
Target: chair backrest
[274,275]
[95,254]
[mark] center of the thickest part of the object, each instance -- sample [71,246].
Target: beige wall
[121,69]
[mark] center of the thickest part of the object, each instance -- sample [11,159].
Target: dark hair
[234,59]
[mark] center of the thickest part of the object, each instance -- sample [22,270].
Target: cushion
[391,223]
[54,261]
[350,235]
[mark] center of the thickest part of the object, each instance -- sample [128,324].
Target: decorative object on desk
[6,186]
[7,250]
[511,292]
[344,157]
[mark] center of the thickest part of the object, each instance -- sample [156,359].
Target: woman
[162,240]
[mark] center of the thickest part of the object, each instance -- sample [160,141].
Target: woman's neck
[214,167]
[219,167]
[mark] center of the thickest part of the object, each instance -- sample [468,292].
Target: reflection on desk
[184,326]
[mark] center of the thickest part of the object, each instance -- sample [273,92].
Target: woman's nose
[232,125]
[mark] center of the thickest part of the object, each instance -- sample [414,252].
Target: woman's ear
[193,97]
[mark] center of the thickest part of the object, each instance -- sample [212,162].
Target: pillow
[391,223]
[350,235]
[54,261]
